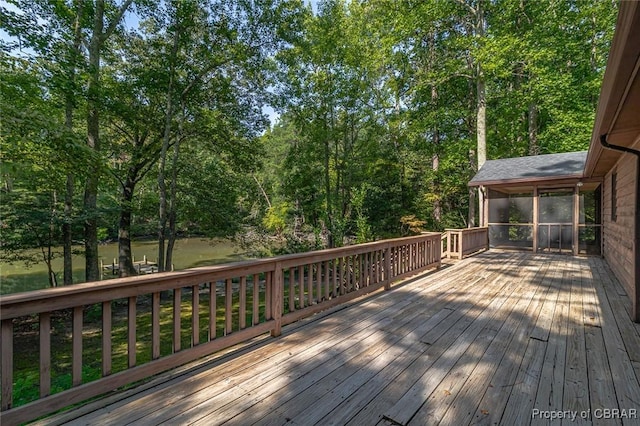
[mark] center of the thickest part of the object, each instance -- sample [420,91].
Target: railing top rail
[476,229]
[32,302]
[320,255]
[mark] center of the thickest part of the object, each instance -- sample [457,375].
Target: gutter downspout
[636,236]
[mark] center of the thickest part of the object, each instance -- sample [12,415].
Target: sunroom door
[555,221]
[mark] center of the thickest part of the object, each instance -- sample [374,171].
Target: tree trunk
[481,125]
[162,195]
[162,188]
[437,203]
[125,257]
[93,141]
[173,202]
[327,188]
[471,220]
[534,149]
[67,231]
[53,282]
[435,160]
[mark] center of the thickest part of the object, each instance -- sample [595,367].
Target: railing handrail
[13,305]
[457,241]
[467,230]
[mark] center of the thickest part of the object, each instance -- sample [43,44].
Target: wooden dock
[143,266]
[499,338]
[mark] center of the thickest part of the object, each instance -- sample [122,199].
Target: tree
[102,29]
[38,151]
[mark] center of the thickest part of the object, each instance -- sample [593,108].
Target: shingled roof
[534,168]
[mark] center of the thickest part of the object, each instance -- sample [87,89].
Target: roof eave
[529,180]
[620,65]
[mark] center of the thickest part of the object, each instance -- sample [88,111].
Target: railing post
[387,267]
[460,244]
[276,302]
[486,238]
[449,236]
[438,255]
[6,335]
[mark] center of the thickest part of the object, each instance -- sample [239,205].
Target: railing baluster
[242,320]
[155,325]
[310,284]
[256,299]
[427,258]
[349,272]
[195,315]
[292,289]
[76,338]
[335,277]
[318,282]
[177,320]
[388,275]
[131,331]
[367,266]
[106,338]
[327,277]
[213,312]
[301,286]
[228,309]
[6,336]
[268,295]
[394,262]
[406,256]
[375,267]
[45,354]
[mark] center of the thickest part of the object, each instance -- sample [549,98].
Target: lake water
[188,253]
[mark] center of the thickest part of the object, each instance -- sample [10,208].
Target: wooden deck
[499,338]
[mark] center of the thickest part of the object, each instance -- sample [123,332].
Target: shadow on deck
[499,338]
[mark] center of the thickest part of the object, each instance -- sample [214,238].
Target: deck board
[485,341]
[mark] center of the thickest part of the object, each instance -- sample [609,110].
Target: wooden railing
[457,243]
[138,321]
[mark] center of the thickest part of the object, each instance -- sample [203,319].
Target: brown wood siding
[618,234]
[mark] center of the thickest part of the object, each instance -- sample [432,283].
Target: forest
[133,119]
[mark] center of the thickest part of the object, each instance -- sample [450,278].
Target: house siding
[618,234]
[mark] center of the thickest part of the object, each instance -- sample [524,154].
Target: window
[614,196]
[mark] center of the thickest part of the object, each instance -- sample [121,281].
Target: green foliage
[275,219]
[363,228]
[377,105]
[411,225]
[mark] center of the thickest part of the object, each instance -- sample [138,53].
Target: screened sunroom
[541,203]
